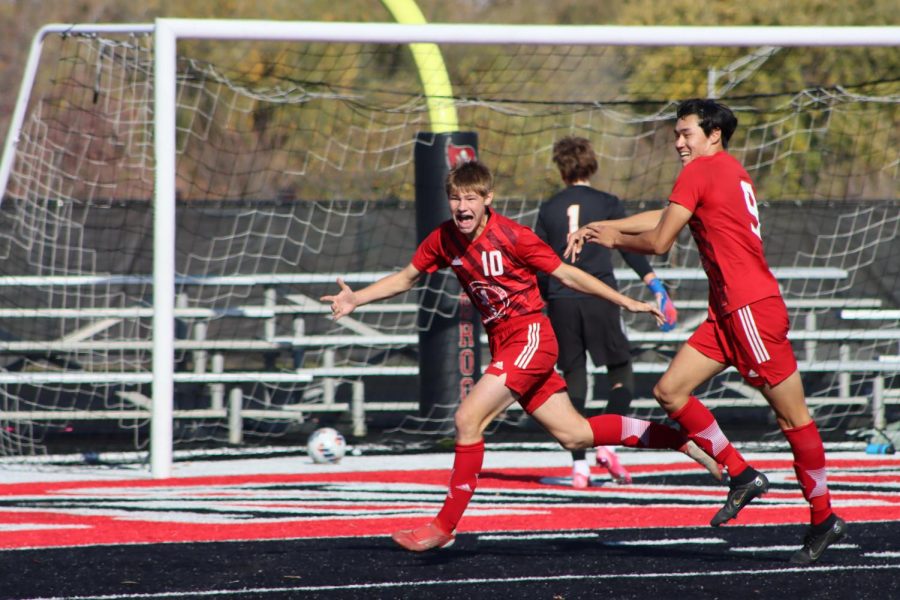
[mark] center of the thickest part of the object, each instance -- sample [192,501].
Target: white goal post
[167,33]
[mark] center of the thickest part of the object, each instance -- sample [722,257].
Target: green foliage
[829,150]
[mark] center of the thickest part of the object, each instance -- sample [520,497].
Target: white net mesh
[295,164]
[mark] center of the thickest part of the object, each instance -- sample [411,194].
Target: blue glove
[666,306]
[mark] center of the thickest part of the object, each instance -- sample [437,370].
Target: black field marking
[625,564]
[478,581]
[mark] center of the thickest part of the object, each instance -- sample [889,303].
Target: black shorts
[588,325]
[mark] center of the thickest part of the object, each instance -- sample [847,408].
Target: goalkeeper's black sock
[619,401]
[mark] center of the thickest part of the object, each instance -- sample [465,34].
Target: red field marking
[285,506]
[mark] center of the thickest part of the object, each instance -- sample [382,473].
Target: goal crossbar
[457,33]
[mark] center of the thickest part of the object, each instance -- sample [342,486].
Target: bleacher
[819,350]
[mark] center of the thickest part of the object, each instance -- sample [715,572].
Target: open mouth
[465,218]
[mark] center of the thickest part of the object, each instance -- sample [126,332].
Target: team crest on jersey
[492,300]
[457,155]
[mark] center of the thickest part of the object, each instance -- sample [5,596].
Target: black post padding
[449,350]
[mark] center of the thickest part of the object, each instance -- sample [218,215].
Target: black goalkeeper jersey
[574,207]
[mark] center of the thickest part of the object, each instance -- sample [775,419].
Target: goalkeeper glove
[666,306]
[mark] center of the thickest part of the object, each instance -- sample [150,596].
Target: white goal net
[294,164]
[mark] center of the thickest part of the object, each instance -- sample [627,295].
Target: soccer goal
[178,195]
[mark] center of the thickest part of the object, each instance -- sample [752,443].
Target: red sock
[615,430]
[809,465]
[700,425]
[463,479]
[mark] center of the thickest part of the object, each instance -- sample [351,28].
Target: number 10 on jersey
[492,262]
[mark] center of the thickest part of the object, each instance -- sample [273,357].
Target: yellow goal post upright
[165,76]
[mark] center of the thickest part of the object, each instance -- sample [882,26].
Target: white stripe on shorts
[534,336]
[756,343]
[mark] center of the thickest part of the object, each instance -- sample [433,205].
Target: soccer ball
[326,445]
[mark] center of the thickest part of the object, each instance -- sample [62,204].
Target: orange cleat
[424,538]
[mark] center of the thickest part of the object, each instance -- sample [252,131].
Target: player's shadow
[599,549]
[535,479]
[532,478]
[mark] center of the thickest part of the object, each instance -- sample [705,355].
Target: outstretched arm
[586,283]
[657,240]
[634,224]
[346,300]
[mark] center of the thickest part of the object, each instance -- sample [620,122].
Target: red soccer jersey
[497,270]
[725,225]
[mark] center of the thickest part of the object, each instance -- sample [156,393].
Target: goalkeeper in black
[586,324]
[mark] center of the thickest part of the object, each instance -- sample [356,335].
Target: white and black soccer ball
[326,445]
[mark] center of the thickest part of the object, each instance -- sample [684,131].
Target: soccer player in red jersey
[747,322]
[496,261]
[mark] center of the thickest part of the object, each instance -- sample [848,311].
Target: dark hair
[470,176]
[575,158]
[711,115]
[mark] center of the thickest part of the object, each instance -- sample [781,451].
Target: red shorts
[525,350]
[753,339]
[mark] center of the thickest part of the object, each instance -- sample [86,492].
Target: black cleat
[814,544]
[740,496]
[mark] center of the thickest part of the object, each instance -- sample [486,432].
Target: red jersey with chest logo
[497,270]
[725,225]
